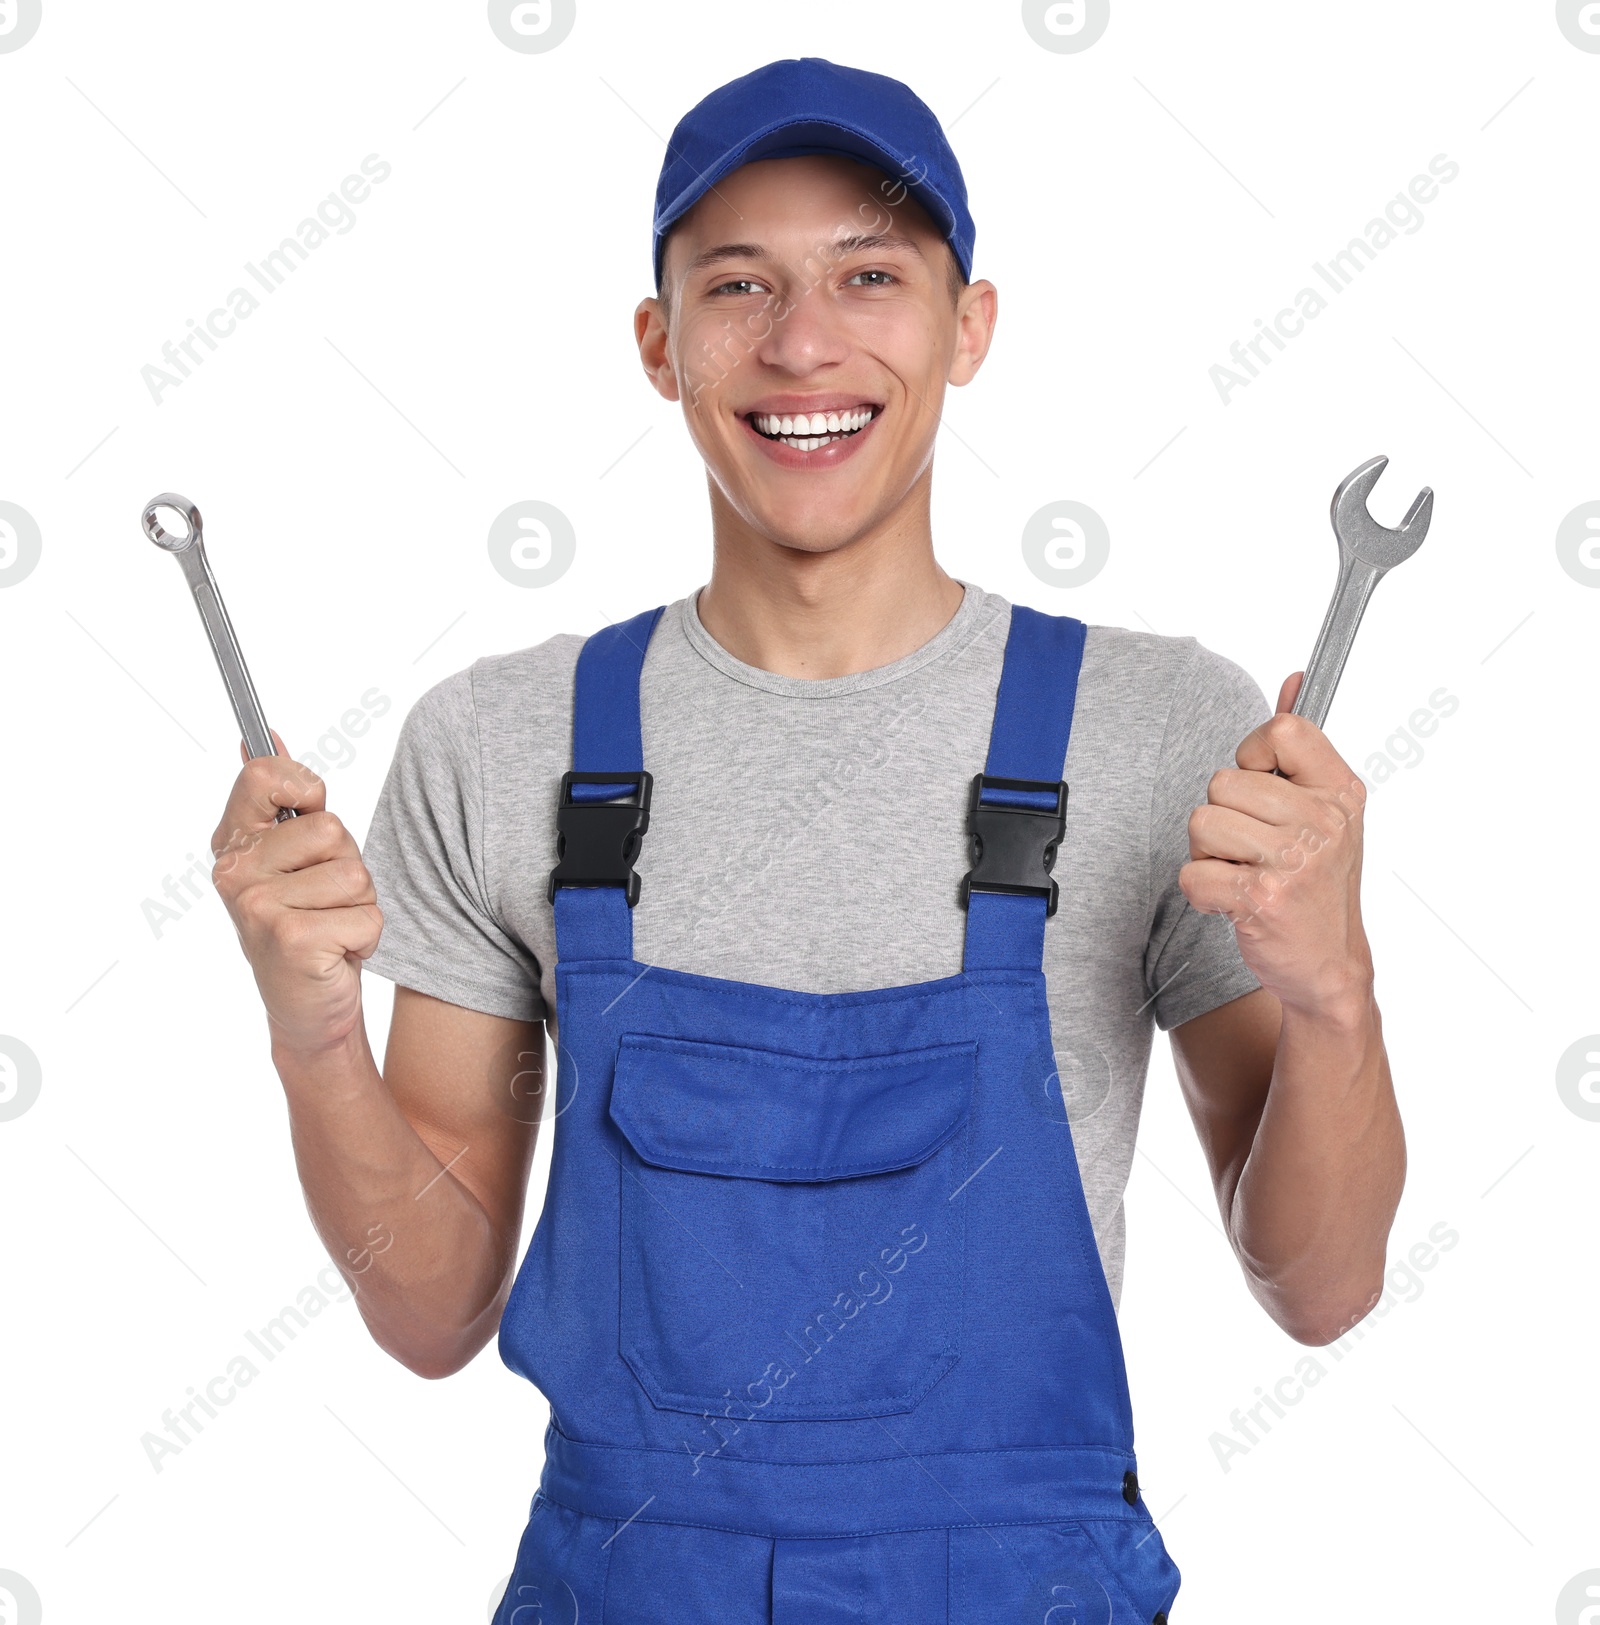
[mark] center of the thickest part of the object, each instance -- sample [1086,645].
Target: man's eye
[885,277]
[743,284]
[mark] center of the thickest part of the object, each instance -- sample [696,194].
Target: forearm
[413,1241]
[1311,1212]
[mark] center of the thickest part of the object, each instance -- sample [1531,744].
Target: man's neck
[831,614]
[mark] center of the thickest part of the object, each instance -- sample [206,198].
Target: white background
[467,345]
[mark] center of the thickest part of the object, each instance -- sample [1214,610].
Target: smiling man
[852,1000]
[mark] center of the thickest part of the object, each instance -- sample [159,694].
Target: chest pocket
[789,1246]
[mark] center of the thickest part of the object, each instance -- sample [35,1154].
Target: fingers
[1252,817]
[1223,832]
[1261,795]
[1297,748]
[1290,692]
[341,882]
[272,849]
[301,937]
[1215,886]
[265,784]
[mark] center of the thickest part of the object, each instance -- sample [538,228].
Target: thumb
[1290,691]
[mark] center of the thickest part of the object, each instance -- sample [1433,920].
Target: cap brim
[798,138]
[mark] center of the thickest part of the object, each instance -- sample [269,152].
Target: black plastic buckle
[597,842]
[1014,848]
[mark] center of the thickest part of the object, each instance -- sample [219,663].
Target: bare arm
[414,1178]
[1289,1087]
[1300,1129]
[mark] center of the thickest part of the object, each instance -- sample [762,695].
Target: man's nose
[807,332]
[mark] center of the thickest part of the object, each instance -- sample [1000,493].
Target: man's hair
[954,276]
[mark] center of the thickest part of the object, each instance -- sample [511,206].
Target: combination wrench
[190,552]
[1367,552]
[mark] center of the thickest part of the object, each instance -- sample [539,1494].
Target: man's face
[810,330]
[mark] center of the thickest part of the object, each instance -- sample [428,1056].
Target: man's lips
[809,419]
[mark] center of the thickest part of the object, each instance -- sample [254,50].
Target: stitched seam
[854,1534]
[944,1364]
[813,1173]
[787,1060]
[1112,1572]
[1200,992]
[605,1576]
[871,996]
[810,1173]
[404,962]
[1114,1451]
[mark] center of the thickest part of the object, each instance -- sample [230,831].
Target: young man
[823,1292]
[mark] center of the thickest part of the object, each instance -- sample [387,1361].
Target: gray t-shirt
[810,834]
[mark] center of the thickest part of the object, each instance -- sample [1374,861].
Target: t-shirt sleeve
[426,856]
[1192,961]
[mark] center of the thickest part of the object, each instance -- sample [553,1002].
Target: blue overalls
[814,1297]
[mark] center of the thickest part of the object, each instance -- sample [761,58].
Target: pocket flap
[763,1114]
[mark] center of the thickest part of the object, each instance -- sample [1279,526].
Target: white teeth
[810,432]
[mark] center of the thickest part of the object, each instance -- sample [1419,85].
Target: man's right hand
[301,900]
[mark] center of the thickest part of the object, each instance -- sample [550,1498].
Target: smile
[803,432]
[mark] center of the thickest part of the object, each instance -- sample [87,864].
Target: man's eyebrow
[840,246]
[725,251]
[878,239]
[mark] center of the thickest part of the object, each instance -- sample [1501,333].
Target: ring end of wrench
[164,539]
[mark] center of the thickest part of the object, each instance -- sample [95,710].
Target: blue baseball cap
[809,105]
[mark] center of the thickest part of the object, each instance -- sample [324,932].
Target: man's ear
[975,318]
[650,333]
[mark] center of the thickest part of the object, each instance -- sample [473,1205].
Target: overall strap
[1014,823]
[601,821]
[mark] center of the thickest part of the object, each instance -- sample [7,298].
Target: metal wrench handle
[1335,640]
[190,552]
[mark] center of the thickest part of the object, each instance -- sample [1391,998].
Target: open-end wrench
[190,552]
[1367,552]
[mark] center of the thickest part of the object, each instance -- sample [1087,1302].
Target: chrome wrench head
[1361,535]
[165,539]
[1367,552]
